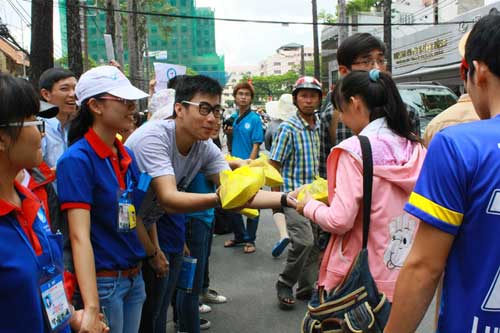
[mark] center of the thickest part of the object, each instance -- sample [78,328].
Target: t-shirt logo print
[494,204]
[492,299]
[402,231]
[247,126]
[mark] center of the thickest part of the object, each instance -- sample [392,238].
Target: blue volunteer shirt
[201,184]
[458,192]
[24,250]
[89,176]
[247,131]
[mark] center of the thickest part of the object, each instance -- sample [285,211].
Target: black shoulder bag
[355,305]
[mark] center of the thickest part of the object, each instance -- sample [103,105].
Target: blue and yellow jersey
[458,192]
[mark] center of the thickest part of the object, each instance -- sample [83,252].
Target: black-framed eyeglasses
[205,108]
[39,123]
[371,62]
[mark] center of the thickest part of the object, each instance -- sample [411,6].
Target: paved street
[248,281]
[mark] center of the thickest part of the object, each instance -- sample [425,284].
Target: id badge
[55,302]
[127,220]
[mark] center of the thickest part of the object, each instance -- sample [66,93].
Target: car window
[427,101]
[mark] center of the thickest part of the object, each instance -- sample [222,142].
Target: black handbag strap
[366,150]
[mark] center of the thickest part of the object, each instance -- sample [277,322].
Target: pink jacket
[396,165]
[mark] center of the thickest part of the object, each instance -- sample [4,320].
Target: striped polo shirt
[296,148]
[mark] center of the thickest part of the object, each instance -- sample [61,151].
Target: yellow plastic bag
[228,158]
[249,212]
[240,185]
[318,189]
[273,177]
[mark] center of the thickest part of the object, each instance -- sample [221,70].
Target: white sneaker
[213,297]
[205,308]
[204,324]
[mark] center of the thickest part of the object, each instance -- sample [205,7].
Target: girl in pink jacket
[370,105]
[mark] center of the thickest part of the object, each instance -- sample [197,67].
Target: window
[154,29]
[291,63]
[184,28]
[277,72]
[277,64]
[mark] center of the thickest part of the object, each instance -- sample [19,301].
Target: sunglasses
[40,125]
[127,102]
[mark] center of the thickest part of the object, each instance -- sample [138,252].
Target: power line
[194,17]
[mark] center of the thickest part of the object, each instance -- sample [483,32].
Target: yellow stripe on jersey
[441,213]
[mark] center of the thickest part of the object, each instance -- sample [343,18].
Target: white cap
[281,109]
[106,79]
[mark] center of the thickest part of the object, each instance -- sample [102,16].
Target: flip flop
[280,246]
[233,243]
[249,248]
[285,296]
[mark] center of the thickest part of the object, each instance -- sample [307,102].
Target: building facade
[287,58]
[405,12]
[12,60]
[187,42]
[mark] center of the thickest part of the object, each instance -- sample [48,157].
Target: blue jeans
[121,300]
[164,289]
[242,234]
[197,239]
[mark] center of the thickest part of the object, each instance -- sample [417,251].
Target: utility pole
[302,63]
[388,32]
[118,34]
[435,6]
[317,73]
[74,37]
[42,42]
[342,28]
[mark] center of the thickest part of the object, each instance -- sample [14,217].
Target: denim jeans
[121,301]
[162,293]
[197,239]
[242,234]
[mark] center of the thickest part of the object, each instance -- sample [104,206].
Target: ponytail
[379,92]
[83,121]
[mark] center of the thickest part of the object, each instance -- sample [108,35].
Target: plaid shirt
[327,143]
[343,133]
[296,148]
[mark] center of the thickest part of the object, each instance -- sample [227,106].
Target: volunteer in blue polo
[100,188]
[32,295]
[247,138]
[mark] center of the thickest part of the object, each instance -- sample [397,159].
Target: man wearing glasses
[247,138]
[173,152]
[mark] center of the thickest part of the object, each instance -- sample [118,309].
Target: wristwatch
[153,255]
[284,199]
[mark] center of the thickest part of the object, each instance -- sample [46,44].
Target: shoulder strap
[366,150]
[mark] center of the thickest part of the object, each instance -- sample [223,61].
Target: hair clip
[374,75]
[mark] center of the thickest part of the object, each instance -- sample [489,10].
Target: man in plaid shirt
[361,51]
[295,152]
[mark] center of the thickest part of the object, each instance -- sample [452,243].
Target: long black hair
[18,101]
[83,121]
[381,96]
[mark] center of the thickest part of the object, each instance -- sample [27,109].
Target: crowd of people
[106,222]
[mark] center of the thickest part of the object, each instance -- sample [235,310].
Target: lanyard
[27,242]
[128,180]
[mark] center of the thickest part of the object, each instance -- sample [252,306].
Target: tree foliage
[272,86]
[352,7]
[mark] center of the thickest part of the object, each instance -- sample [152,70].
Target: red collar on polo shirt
[120,166]
[25,215]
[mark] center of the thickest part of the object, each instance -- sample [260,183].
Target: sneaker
[213,297]
[204,324]
[205,308]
